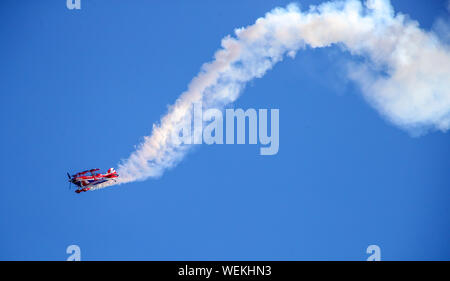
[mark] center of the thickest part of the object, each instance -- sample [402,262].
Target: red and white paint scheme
[94,180]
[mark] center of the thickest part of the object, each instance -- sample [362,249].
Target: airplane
[94,180]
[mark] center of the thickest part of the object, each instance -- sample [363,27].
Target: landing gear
[82,190]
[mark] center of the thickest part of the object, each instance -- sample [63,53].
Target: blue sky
[79,89]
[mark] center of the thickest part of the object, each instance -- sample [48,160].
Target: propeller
[70,182]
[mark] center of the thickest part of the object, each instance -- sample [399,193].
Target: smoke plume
[405,74]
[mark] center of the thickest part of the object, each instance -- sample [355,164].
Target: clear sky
[79,89]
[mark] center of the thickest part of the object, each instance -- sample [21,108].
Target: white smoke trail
[406,76]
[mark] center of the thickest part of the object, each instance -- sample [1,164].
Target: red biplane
[94,180]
